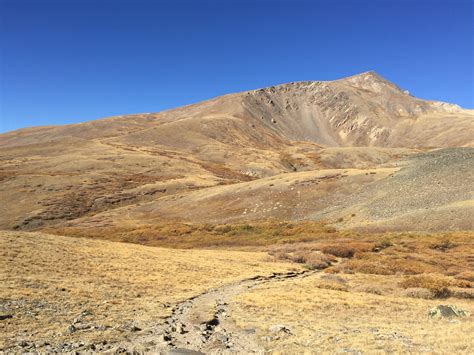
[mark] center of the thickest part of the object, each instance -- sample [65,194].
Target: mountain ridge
[361,110]
[313,131]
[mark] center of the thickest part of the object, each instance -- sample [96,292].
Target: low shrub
[312,259]
[347,250]
[365,267]
[222,229]
[443,245]
[465,275]
[334,286]
[437,285]
[418,292]
[368,289]
[339,250]
[317,261]
[334,278]
[383,244]
[467,294]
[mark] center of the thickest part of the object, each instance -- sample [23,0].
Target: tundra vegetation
[310,216]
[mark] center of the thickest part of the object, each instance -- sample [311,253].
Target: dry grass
[372,253]
[49,281]
[412,254]
[345,314]
[316,245]
[375,289]
[208,235]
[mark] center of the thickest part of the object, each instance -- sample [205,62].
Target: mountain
[342,151]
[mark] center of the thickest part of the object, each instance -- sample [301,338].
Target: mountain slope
[363,110]
[49,175]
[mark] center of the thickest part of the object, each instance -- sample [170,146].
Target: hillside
[329,151]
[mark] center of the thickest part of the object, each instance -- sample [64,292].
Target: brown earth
[358,152]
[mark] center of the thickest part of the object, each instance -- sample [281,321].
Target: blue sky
[71,61]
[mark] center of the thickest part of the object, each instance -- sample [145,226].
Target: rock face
[448,311]
[362,110]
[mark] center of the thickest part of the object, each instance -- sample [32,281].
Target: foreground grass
[351,313]
[373,295]
[105,289]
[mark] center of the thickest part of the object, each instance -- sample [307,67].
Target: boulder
[448,311]
[280,328]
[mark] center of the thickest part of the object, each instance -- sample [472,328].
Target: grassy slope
[48,281]
[351,313]
[383,285]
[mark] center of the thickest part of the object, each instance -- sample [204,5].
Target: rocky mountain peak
[371,81]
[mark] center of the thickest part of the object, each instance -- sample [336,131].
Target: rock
[280,328]
[211,324]
[180,328]
[23,344]
[5,316]
[71,329]
[222,338]
[134,328]
[351,351]
[183,351]
[102,327]
[448,311]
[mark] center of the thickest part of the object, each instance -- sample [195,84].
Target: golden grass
[314,244]
[208,235]
[414,254]
[375,291]
[48,281]
[317,246]
[350,313]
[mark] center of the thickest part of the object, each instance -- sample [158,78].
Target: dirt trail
[203,324]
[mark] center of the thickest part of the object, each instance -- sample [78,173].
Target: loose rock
[448,311]
[280,328]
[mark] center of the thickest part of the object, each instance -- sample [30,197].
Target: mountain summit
[370,81]
[361,110]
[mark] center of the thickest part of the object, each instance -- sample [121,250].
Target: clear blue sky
[71,61]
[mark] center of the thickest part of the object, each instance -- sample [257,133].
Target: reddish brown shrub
[437,285]
[347,250]
[312,259]
[465,275]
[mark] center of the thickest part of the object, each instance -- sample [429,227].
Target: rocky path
[203,324]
